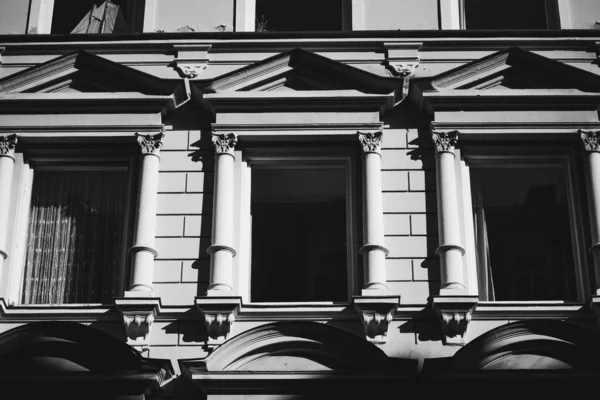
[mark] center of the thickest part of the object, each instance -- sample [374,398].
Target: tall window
[522,232]
[299,233]
[97,16]
[76,235]
[510,14]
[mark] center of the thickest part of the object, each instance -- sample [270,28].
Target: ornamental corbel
[455,314]
[189,70]
[191,59]
[218,314]
[402,58]
[376,314]
[138,314]
[403,69]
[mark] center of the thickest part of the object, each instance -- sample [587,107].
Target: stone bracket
[138,315]
[376,313]
[455,314]
[595,306]
[402,58]
[191,60]
[218,314]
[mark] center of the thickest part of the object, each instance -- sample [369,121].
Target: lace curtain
[75,237]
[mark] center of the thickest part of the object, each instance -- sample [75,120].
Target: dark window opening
[299,236]
[299,15]
[97,16]
[523,233]
[510,14]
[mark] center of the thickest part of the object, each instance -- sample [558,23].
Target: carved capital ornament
[150,144]
[224,143]
[370,141]
[444,141]
[7,145]
[590,139]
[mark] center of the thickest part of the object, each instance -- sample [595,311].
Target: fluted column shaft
[449,251]
[373,249]
[591,143]
[221,250]
[7,163]
[143,251]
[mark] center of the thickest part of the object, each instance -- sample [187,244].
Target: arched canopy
[541,345]
[295,357]
[69,359]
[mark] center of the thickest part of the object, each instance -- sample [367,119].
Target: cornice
[520,130]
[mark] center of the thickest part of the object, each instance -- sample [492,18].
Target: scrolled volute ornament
[370,141]
[8,144]
[444,141]
[150,144]
[224,143]
[590,139]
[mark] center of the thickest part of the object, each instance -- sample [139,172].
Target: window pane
[505,14]
[75,237]
[90,16]
[523,233]
[298,15]
[299,235]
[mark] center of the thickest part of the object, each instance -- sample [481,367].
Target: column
[449,251]
[221,251]
[373,249]
[143,251]
[591,144]
[7,162]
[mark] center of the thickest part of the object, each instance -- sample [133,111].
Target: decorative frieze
[590,139]
[455,314]
[150,144]
[224,143]
[218,314]
[7,145]
[371,141]
[444,141]
[376,314]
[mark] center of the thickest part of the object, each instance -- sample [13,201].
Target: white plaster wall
[579,14]
[200,15]
[13,16]
[400,14]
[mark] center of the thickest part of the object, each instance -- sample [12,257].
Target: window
[97,16]
[510,14]
[74,226]
[304,15]
[301,228]
[526,230]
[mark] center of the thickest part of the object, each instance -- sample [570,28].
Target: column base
[376,313]
[218,314]
[138,315]
[455,314]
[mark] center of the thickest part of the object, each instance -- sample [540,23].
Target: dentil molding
[455,314]
[376,313]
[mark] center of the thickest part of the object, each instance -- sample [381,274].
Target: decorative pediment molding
[83,72]
[300,70]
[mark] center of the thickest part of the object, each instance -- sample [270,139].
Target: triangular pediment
[84,73]
[514,68]
[299,70]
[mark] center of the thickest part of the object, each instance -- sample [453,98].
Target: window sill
[531,310]
[63,312]
[323,311]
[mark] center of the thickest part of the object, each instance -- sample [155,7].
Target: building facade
[299,199]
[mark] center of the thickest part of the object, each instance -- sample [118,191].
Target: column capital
[370,141]
[150,144]
[444,142]
[224,143]
[7,145]
[590,139]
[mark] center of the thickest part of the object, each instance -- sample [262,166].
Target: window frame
[553,19]
[501,155]
[67,159]
[244,159]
